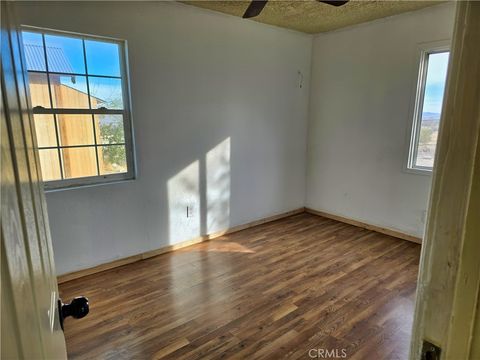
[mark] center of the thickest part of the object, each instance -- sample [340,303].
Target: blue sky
[103,58]
[435,85]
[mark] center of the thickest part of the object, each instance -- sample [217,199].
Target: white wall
[220,125]
[361,86]
[219,122]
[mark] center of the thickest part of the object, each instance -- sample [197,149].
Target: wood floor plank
[272,291]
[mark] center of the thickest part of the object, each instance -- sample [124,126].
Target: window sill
[48,188]
[419,171]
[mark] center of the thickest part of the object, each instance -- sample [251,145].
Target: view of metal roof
[56,59]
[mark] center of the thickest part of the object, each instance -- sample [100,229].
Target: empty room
[240,179]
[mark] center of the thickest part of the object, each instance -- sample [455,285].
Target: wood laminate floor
[269,292]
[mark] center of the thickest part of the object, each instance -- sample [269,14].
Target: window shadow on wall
[199,196]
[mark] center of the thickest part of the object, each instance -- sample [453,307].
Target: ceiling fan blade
[333,2]
[255,8]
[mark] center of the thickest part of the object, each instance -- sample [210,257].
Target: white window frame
[63,184]
[423,52]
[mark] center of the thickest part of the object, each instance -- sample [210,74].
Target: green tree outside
[112,133]
[425,135]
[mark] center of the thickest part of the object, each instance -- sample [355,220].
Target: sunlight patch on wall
[218,187]
[184,204]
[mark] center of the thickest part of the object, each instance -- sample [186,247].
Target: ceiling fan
[256,6]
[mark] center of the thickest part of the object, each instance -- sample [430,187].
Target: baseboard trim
[145,255]
[148,254]
[367,226]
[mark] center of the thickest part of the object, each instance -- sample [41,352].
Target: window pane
[34,51]
[109,129]
[75,130]
[112,159]
[76,72]
[79,162]
[39,94]
[45,130]
[432,107]
[102,58]
[69,91]
[106,92]
[64,54]
[50,164]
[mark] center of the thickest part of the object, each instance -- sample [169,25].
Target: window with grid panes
[78,90]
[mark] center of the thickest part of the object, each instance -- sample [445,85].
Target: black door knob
[78,308]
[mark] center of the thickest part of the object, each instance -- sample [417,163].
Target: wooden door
[449,279]
[30,327]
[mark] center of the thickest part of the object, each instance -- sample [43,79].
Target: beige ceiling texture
[311,16]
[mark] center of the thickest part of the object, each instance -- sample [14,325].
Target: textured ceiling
[311,16]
